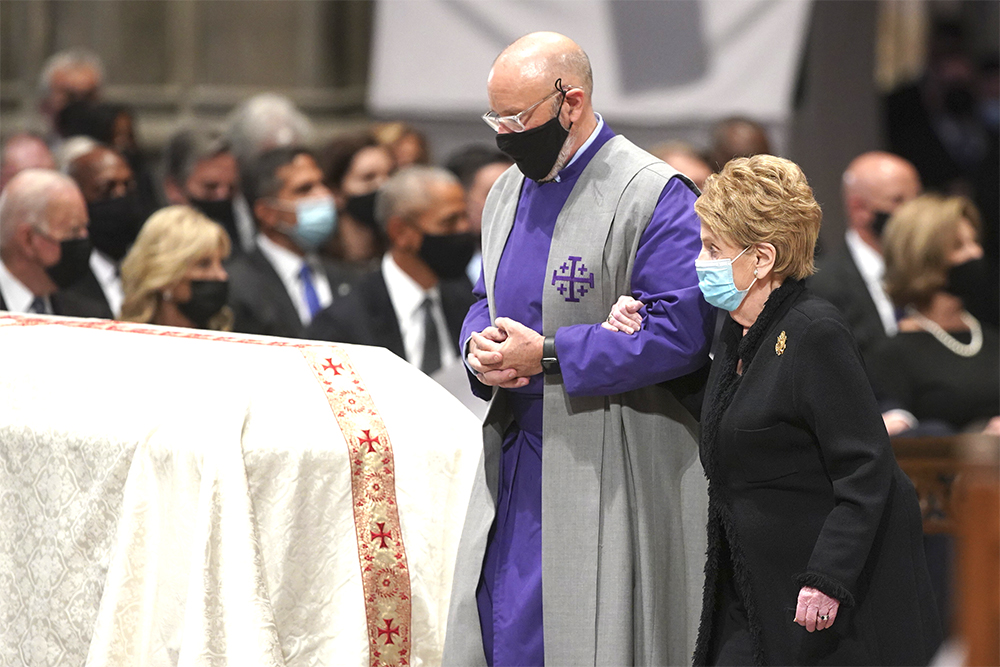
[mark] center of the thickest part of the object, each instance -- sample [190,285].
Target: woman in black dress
[815,549]
[943,364]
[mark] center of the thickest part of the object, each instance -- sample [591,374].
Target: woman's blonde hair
[916,243]
[169,243]
[764,199]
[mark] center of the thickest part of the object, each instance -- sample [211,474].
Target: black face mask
[535,151]
[114,223]
[74,258]
[448,254]
[219,210]
[968,280]
[207,298]
[959,100]
[362,209]
[878,224]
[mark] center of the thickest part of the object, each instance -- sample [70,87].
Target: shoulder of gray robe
[624,500]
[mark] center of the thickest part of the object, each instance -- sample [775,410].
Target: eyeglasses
[514,123]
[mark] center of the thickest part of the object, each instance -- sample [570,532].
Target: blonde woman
[174,276]
[942,365]
[814,533]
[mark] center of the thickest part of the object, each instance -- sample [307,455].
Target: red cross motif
[381,535]
[330,366]
[388,630]
[368,440]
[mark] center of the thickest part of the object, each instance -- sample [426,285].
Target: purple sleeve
[677,324]
[477,319]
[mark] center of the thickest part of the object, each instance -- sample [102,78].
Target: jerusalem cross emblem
[573,277]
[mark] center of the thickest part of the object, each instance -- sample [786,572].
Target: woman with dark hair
[354,166]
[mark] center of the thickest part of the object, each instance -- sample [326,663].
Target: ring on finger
[824,617]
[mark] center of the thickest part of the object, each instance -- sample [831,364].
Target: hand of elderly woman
[624,316]
[815,610]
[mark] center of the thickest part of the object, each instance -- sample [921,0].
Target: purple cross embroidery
[569,277]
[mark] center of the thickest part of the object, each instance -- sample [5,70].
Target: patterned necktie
[432,342]
[38,306]
[309,289]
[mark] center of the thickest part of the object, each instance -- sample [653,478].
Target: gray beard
[561,159]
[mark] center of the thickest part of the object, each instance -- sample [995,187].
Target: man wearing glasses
[586,546]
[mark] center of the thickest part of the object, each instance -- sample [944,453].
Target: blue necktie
[309,289]
[38,306]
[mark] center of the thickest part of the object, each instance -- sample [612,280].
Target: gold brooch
[779,347]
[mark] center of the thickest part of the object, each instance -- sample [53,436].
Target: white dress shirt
[586,144]
[16,296]
[288,266]
[106,272]
[872,268]
[407,298]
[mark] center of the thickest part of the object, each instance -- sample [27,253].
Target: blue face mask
[316,220]
[715,280]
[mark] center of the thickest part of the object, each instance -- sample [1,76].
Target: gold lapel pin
[779,347]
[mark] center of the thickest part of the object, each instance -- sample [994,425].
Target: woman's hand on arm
[815,610]
[625,316]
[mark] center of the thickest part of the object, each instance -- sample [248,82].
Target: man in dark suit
[116,212]
[43,244]
[874,185]
[278,287]
[414,303]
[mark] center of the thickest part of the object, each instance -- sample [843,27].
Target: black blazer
[85,293]
[260,302]
[839,281]
[804,490]
[73,305]
[366,315]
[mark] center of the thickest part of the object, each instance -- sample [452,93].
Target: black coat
[260,302]
[804,490]
[71,304]
[366,315]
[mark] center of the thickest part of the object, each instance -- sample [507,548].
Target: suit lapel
[382,316]
[277,295]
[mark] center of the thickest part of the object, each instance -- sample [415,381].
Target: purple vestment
[672,342]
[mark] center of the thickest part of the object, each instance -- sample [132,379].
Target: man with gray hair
[200,170]
[414,303]
[68,76]
[43,244]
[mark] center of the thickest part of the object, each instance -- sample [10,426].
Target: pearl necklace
[969,349]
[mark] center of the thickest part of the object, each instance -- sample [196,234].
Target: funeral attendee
[260,123]
[942,365]
[874,185]
[414,303]
[67,76]
[354,166]
[407,144]
[43,245]
[814,535]
[587,560]
[279,286]
[737,137]
[685,159]
[116,213]
[477,167]
[200,171]
[173,274]
[23,151]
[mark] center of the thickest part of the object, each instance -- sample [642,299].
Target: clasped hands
[505,355]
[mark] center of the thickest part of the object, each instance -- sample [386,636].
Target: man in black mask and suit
[415,302]
[43,245]
[116,214]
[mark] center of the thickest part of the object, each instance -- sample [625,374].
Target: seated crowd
[253,228]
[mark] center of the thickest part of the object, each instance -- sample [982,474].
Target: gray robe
[623,493]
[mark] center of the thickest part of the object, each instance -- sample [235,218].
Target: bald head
[102,173]
[542,57]
[876,182]
[23,151]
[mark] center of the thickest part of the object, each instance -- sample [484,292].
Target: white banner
[655,61]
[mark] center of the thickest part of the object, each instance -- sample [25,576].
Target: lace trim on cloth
[382,557]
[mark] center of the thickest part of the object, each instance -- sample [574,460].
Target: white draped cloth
[171,497]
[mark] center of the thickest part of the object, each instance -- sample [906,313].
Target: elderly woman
[814,533]
[173,274]
[942,365]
